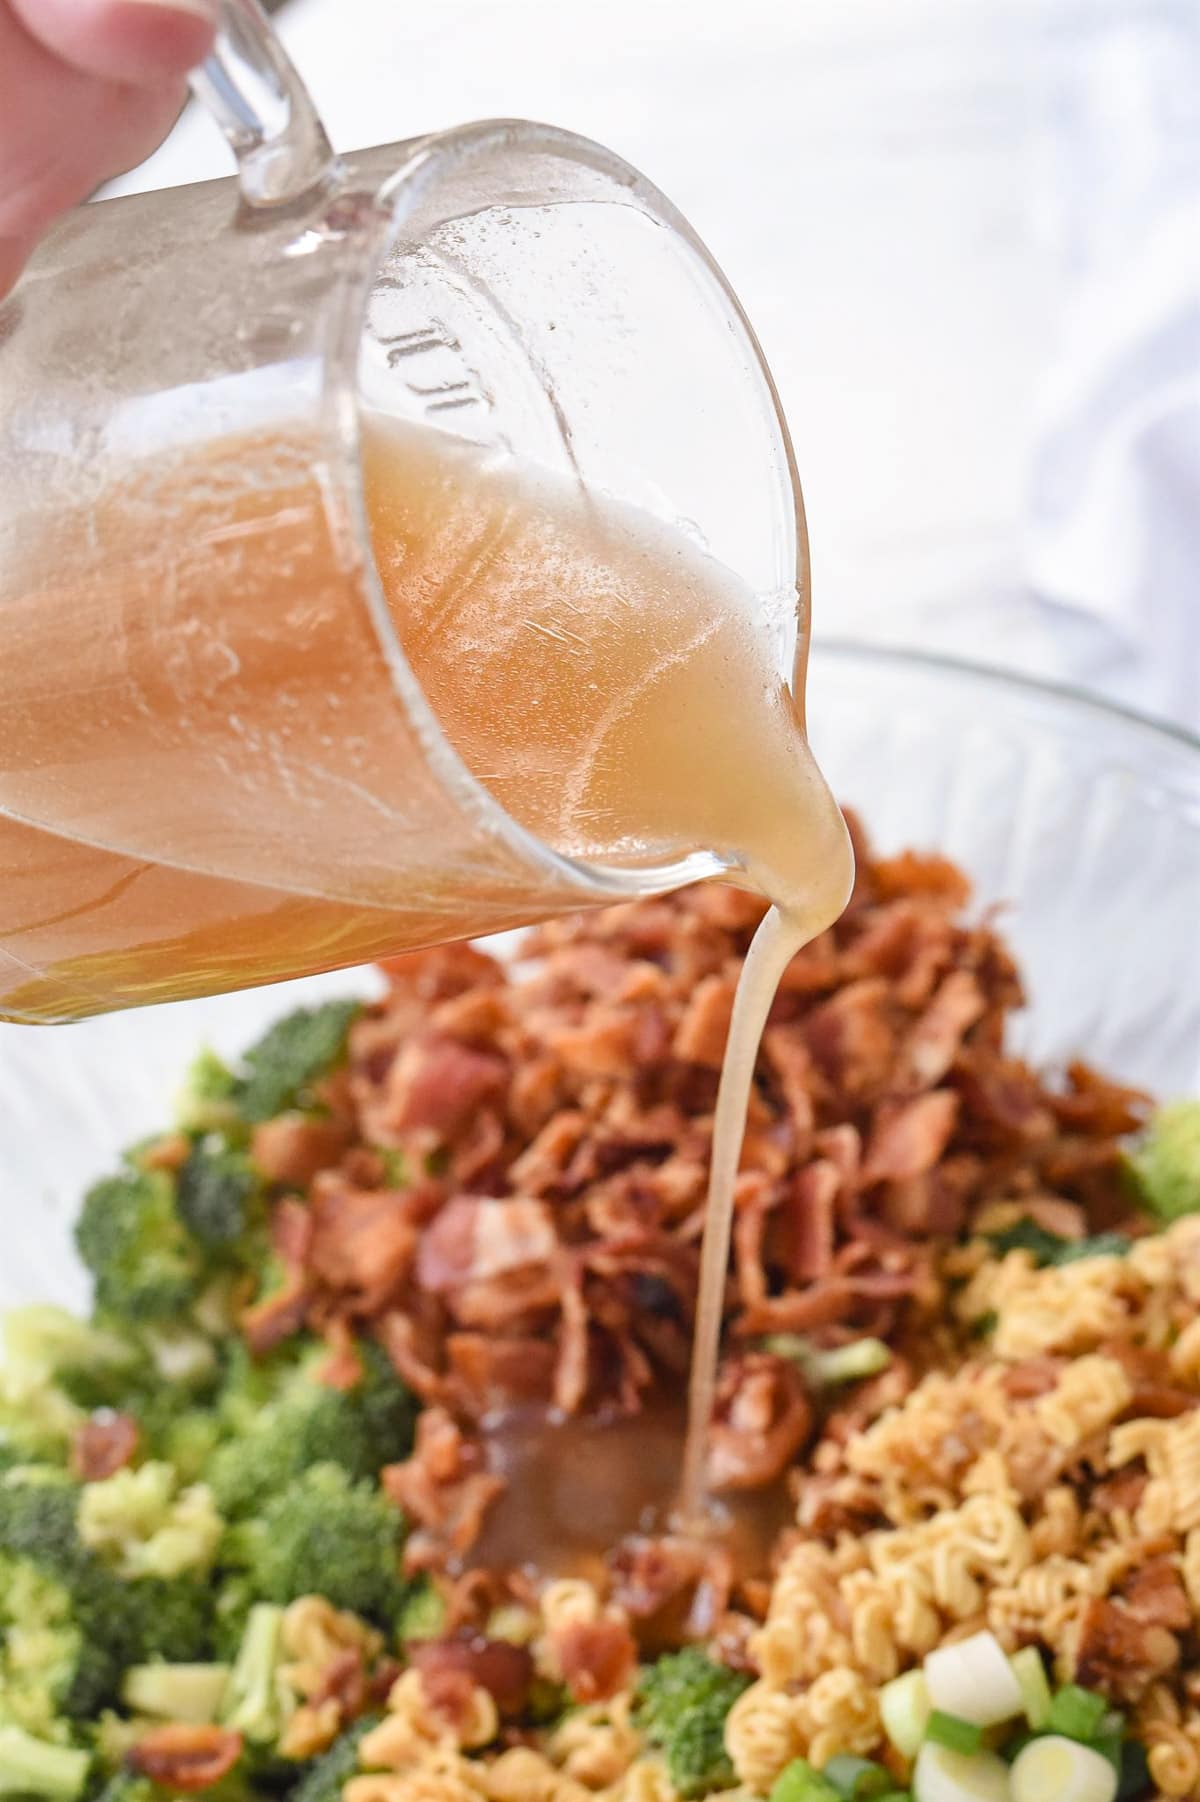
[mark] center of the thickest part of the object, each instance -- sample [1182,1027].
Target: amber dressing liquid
[207,779]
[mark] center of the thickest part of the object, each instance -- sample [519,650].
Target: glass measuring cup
[184,544]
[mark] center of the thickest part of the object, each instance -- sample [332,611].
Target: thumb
[140,43]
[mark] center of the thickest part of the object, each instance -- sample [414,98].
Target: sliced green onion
[1034,1685]
[945,1776]
[857,1779]
[950,1730]
[1077,1713]
[799,1782]
[974,1680]
[828,1366]
[904,1708]
[1055,1769]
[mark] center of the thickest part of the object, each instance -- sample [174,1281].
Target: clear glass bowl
[1081,822]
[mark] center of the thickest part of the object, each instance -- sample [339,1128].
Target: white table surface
[910,200]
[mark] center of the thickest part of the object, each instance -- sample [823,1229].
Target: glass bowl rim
[1171,734]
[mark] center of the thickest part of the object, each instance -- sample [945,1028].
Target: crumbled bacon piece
[1120,1653]
[292,1148]
[701,1034]
[363,1243]
[444,1487]
[1154,1592]
[474,1239]
[761,1419]
[597,1658]
[504,1670]
[674,1588]
[438,1083]
[102,1446]
[185,1758]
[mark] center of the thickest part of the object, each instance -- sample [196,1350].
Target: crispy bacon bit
[444,1487]
[438,1084]
[292,1148]
[810,1221]
[344,1681]
[168,1153]
[504,1670]
[676,1589]
[908,1138]
[920,873]
[268,1323]
[1154,1592]
[701,1034]
[474,1239]
[102,1446]
[597,1658]
[445,970]
[1121,1654]
[363,1242]
[761,1419]
[186,1758]
[932,1044]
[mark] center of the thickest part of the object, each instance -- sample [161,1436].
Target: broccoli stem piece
[29,1767]
[176,1692]
[252,1703]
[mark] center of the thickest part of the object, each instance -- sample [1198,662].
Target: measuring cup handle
[252,90]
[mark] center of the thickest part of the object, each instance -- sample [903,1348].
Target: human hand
[87,89]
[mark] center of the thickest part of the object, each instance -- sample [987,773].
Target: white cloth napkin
[1113,526]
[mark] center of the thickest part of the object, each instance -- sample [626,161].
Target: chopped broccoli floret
[1165,1163]
[216,1194]
[258,1702]
[170,1617]
[683,1701]
[30,1767]
[325,1535]
[45,1341]
[205,1102]
[143,1524]
[283,1421]
[37,1421]
[326,1776]
[118,1623]
[127,1785]
[40,1648]
[423,1614]
[144,1262]
[290,1056]
[176,1692]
